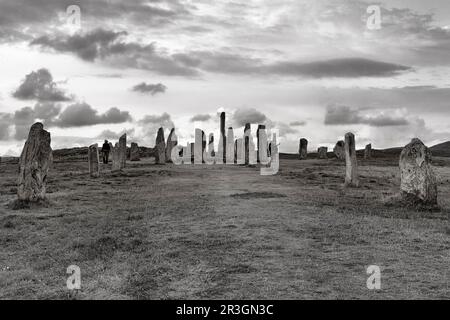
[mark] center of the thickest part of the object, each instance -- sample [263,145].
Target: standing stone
[223,138]
[303,149]
[322,152]
[351,165]
[260,128]
[172,142]
[368,151]
[247,134]
[94,161]
[418,181]
[117,164]
[339,150]
[239,151]
[230,146]
[134,152]
[160,147]
[198,146]
[123,150]
[192,152]
[34,163]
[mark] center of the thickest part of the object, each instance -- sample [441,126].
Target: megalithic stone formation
[116,160]
[34,164]
[322,152]
[303,149]
[123,150]
[172,141]
[198,146]
[351,165]
[192,152]
[94,161]
[260,127]
[203,145]
[230,146]
[247,134]
[223,146]
[134,152]
[160,147]
[339,150]
[209,154]
[418,182]
[368,151]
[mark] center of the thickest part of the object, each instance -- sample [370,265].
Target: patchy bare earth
[224,232]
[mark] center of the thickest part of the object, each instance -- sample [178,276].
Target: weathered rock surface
[351,165]
[418,181]
[116,161]
[172,142]
[303,149]
[368,151]
[339,150]
[247,133]
[322,153]
[160,147]
[134,152]
[34,164]
[94,161]
[123,150]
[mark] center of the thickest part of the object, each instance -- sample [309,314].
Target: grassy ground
[220,232]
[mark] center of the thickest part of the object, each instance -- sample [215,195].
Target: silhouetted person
[105,151]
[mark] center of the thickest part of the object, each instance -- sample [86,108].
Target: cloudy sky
[314,69]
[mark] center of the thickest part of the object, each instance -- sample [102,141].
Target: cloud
[5,123]
[344,115]
[101,44]
[151,123]
[201,118]
[39,85]
[248,115]
[82,114]
[297,123]
[149,88]
[338,68]
[111,135]
[284,129]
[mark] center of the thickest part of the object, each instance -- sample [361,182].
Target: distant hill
[78,154]
[441,150]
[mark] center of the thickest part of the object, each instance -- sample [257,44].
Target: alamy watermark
[231,151]
[374,280]
[374,19]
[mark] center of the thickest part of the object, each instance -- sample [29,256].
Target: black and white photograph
[231,150]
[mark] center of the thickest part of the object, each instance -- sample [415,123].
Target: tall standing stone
[368,151]
[351,165]
[192,152]
[339,150]
[160,147]
[198,146]
[172,142]
[303,149]
[223,138]
[134,152]
[247,133]
[116,160]
[260,128]
[322,152]
[418,181]
[230,146]
[123,150]
[34,163]
[94,161]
